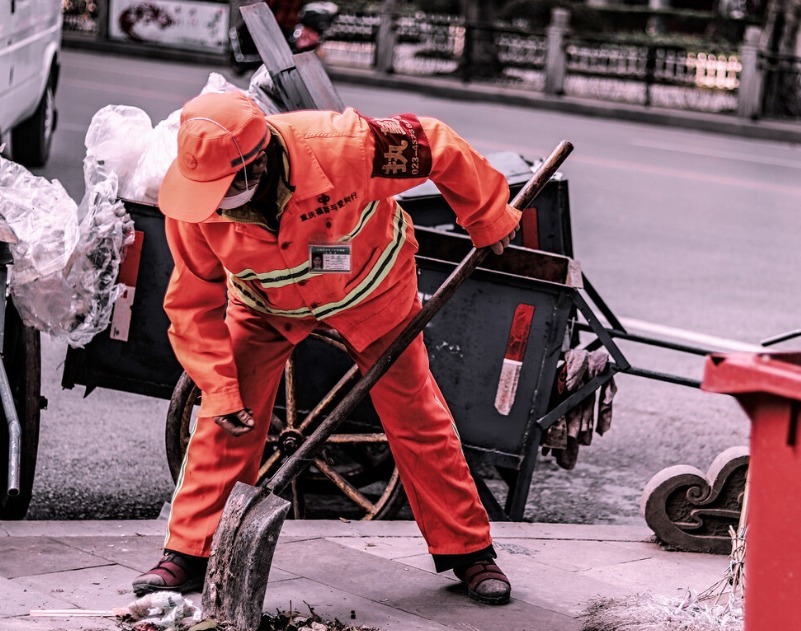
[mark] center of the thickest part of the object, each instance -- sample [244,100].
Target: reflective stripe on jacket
[345,169]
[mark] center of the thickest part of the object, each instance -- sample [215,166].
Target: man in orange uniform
[254,207]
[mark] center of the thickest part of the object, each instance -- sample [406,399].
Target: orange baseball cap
[220,132]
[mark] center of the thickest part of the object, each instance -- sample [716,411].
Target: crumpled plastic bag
[62,281]
[161,611]
[161,149]
[39,218]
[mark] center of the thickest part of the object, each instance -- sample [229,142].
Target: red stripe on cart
[129,274]
[129,268]
[530,229]
[513,358]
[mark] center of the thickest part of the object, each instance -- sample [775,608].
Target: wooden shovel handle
[298,461]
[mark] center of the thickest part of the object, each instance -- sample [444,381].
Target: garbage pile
[171,611]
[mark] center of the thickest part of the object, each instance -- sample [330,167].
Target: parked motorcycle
[302,34]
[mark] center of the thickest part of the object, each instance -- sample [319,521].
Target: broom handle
[303,457]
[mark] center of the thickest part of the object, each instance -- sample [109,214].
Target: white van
[30,49]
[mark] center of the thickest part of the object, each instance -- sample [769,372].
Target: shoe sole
[486,600]
[144,590]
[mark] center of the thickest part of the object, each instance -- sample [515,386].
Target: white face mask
[240,199]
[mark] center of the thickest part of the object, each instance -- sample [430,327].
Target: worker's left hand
[236,423]
[500,246]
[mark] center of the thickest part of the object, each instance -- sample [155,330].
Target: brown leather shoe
[485,582]
[175,572]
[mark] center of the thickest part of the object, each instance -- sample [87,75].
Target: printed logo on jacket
[327,207]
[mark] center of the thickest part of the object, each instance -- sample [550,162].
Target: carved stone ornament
[693,512]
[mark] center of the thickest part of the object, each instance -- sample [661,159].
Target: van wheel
[31,139]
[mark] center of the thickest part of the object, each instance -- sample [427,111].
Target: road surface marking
[705,341]
[700,176]
[713,153]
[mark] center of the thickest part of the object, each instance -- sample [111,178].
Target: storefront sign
[175,23]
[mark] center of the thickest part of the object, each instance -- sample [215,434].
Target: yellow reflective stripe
[252,300]
[179,484]
[366,215]
[277,278]
[373,279]
[377,274]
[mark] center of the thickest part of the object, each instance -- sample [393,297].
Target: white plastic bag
[165,611]
[152,165]
[64,272]
[117,137]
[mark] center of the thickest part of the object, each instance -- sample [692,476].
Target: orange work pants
[417,422]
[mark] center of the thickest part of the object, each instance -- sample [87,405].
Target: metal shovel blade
[242,554]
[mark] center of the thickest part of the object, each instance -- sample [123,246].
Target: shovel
[244,542]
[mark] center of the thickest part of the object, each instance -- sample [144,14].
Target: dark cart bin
[545,224]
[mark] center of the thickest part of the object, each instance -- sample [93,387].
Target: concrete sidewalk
[363,573]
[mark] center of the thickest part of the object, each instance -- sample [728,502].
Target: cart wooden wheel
[23,362]
[354,476]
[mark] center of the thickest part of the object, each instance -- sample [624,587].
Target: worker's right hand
[500,246]
[236,423]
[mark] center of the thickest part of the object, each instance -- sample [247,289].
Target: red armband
[402,149]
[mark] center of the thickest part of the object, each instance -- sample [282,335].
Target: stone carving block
[692,511]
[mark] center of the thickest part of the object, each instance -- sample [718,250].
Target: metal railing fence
[782,85]
[429,44]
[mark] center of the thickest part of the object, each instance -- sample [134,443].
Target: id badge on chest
[327,258]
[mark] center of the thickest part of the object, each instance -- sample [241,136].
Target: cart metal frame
[20,401]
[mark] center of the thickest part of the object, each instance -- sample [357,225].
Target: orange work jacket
[345,169]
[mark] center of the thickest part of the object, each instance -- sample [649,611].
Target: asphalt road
[685,230]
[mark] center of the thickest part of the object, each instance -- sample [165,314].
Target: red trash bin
[768,387]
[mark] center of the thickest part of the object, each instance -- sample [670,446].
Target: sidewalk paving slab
[17,599]
[29,556]
[422,593]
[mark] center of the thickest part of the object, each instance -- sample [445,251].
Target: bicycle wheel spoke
[346,487]
[357,438]
[277,423]
[330,337]
[289,391]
